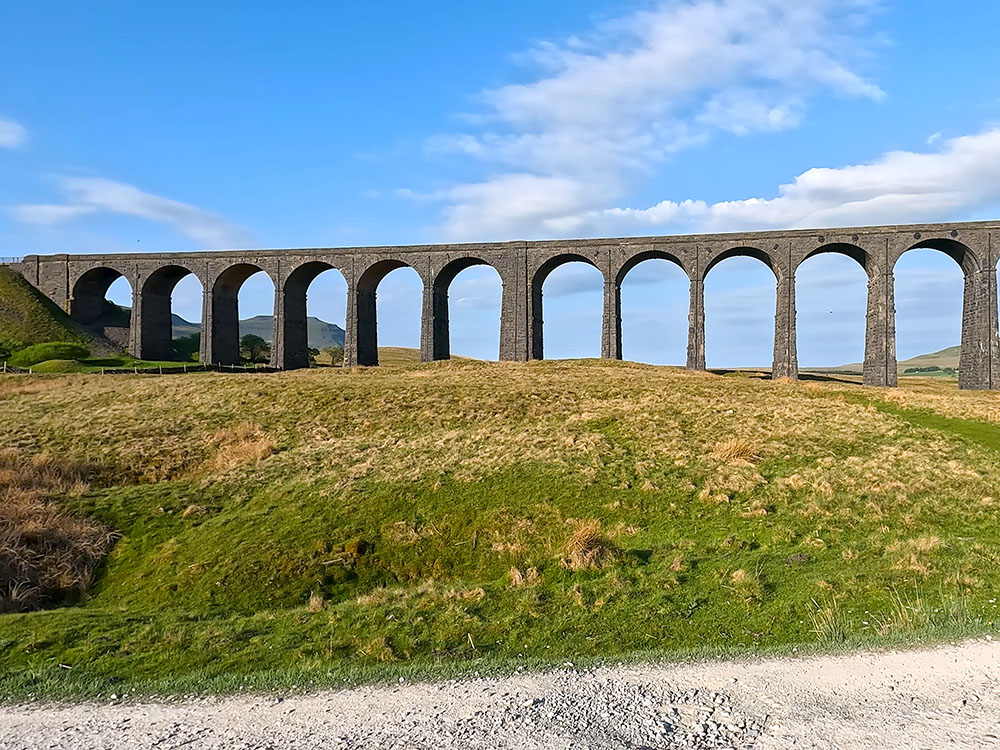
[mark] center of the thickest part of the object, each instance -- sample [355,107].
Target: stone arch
[856,253]
[88,300]
[959,252]
[155,323]
[441,314]
[223,344]
[537,282]
[838,308]
[742,251]
[638,258]
[618,312]
[972,359]
[782,329]
[292,348]
[366,309]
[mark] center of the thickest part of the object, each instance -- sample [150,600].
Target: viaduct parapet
[78,284]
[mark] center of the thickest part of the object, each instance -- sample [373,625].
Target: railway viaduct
[78,284]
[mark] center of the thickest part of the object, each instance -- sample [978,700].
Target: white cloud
[91,195]
[12,134]
[901,186]
[613,105]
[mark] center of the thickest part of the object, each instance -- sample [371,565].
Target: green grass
[48,351]
[28,317]
[402,501]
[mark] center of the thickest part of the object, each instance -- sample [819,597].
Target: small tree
[313,353]
[336,355]
[254,348]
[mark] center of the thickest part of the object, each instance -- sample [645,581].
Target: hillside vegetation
[327,525]
[29,317]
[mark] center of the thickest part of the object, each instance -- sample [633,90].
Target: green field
[330,525]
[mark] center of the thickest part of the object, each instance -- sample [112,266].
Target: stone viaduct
[78,283]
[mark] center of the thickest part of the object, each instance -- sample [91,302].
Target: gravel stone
[940,697]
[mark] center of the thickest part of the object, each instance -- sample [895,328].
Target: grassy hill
[323,526]
[28,316]
[944,358]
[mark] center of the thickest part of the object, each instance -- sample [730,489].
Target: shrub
[49,350]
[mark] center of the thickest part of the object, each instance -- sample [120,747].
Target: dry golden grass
[735,449]
[46,554]
[588,547]
[316,603]
[244,444]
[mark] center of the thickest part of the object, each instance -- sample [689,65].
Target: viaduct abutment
[78,284]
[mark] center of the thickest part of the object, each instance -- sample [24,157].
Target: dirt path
[936,698]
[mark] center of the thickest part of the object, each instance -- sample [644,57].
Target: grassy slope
[28,316]
[407,498]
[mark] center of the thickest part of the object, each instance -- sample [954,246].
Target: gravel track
[945,697]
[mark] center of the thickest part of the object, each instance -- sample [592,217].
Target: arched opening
[186,305]
[570,321]
[740,298]
[468,296]
[164,335]
[102,300]
[831,300]
[399,293]
[315,310]
[928,284]
[242,307]
[654,306]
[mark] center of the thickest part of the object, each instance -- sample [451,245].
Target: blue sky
[191,125]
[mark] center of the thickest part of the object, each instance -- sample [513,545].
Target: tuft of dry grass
[46,555]
[736,450]
[245,443]
[747,585]
[316,602]
[588,547]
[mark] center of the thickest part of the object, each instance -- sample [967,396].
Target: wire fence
[169,370]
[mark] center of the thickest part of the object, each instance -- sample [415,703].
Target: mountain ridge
[321,334]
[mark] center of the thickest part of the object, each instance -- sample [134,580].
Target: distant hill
[944,358]
[321,333]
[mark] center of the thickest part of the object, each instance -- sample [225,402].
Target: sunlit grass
[327,525]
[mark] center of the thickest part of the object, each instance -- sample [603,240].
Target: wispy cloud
[12,134]
[606,108]
[94,195]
